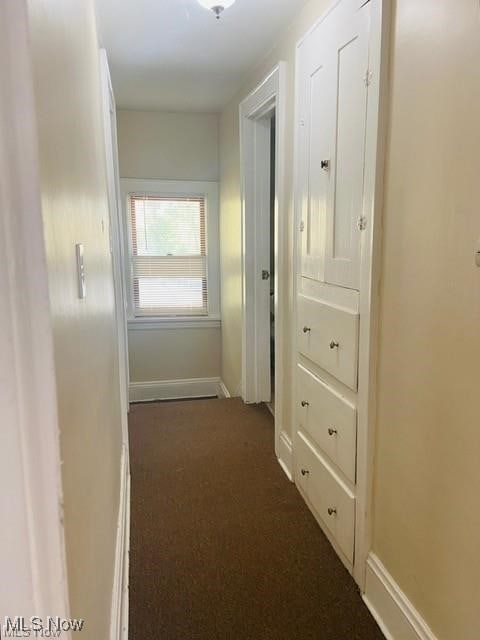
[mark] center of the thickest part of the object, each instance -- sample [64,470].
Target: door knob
[332,511]
[306,329]
[332,432]
[305,472]
[334,344]
[305,403]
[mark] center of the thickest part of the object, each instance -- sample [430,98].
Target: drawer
[329,419]
[328,335]
[332,501]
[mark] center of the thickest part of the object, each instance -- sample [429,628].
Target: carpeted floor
[222,545]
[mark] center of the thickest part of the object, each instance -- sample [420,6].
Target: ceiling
[174,55]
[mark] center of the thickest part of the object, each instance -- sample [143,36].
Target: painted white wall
[427,476]
[427,472]
[170,146]
[65,62]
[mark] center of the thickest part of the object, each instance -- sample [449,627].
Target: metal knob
[325,164]
[305,472]
[332,432]
[306,329]
[334,344]
[332,511]
[304,403]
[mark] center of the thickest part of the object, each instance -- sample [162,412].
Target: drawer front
[332,501]
[329,419]
[329,336]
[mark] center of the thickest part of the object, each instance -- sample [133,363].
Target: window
[168,255]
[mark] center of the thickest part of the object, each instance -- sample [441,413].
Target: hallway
[222,545]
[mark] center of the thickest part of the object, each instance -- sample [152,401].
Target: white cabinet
[328,335]
[329,419]
[332,93]
[333,78]
[331,500]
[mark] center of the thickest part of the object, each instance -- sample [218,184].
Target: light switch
[80,271]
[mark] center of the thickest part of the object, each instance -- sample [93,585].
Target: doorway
[263,251]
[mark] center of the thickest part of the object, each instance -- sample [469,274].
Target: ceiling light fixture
[217,6]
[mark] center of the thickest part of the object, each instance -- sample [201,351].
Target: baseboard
[119,612]
[224,392]
[394,613]
[175,389]
[285,454]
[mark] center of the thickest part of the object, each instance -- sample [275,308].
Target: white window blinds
[168,255]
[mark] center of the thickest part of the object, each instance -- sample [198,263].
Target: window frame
[175,188]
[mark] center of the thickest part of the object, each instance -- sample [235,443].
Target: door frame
[268,96]
[116,235]
[33,557]
[370,264]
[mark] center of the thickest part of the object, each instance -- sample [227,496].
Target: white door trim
[370,272]
[116,233]
[32,553]
[269,95]
[377,113]
[119,609]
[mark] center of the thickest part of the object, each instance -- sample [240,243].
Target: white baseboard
[285,454]
[394,613]
[119,612]
[175,389]
[224,392]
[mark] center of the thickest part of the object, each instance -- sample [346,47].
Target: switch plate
[82,291]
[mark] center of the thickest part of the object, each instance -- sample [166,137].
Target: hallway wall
[75,209]
[427,481]
[427,475]
[170,146]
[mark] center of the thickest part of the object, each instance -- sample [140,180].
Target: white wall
[427,472]
[170,146]
[75,209]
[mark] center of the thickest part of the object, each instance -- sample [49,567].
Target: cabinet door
[332,98]
[314,144]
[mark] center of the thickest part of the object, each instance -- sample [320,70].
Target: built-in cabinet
[332,95]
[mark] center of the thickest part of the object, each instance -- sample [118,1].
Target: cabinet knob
[332,511]
[305,472]
[334,344]
[306,329]
[332,432]
[325,164]
[305,403]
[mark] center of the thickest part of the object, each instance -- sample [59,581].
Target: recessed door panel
[344,210]
[333,78]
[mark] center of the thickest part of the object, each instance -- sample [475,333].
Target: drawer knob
[305,472]
[306,329]
[305,403]
[332,511]
[332,432]
[334,344]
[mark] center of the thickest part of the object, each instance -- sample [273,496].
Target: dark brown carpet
[223,546]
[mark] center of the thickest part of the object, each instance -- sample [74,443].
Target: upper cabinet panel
[333,85]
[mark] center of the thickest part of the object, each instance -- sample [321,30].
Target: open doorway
[263,251]
[271,404]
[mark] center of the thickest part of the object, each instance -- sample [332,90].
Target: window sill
[180,322]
